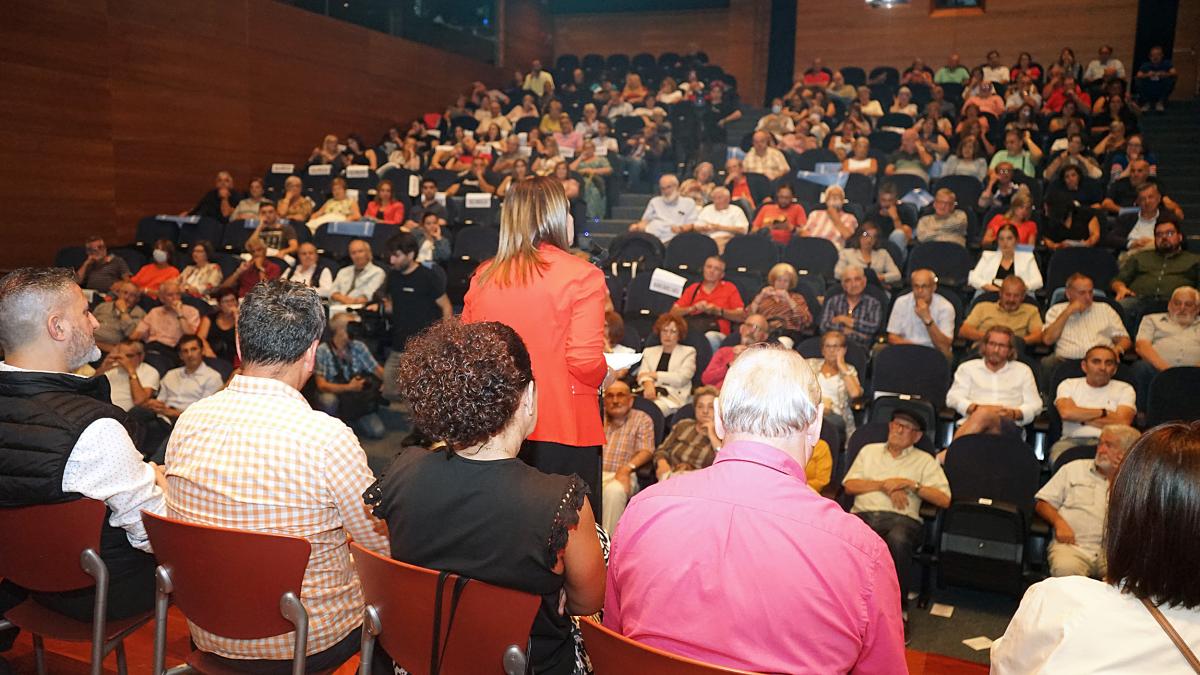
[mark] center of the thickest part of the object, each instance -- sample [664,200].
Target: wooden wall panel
[116,110]
[526,33]
[848,32]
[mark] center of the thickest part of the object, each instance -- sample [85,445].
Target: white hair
[769,391]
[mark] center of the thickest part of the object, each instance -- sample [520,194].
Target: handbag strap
[1173,634]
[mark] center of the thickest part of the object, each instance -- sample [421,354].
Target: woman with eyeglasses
[839,381]
[863,250]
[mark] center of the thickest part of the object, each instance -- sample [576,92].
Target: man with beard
[1168,340]
[1075,501]
[1088,404]
[667,214]
[1147,279]
[1009,310]
[62,440]
[996,393]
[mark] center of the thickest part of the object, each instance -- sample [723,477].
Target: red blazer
[560,316]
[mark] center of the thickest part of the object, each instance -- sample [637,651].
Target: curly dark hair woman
[476,509]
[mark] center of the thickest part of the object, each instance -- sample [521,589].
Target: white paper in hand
[618,361]
[667,283]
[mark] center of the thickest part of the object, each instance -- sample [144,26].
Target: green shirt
[1151,274]
[954,75]
[1021,161]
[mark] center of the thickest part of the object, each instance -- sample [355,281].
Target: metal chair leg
[122,669]
[39,654]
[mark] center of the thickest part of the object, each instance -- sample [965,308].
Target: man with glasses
[101,269]
[118,318]
[946,223]
[131,381]
[1009,310]
[1000,188]
[1168,340]
[753,330]
[922,317]
[857,315]
[994,394]
[889,481]
[1147,279]
[628,444]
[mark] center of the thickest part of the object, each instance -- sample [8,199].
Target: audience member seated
[358,282]
[153,274]
[348,379]
[310,271]
[995,394]
[328,153]
[1075,501]
[735,180]
[427,202]
[711,303]
[1104,67]
[338,207]
[986,99]
[1155,80]
[1025,67]
[1133,150]
[1063,193]
[1168,340]
[922,317]
[947,222]
[1009,310]
[472,179]
[101,269]
[764,159]
[782,217]
[911,158]
[896,224]
[258,268]
[1071,226]
[203,276]
[1153,208]
[889,481]
[131,381]
[667,368]
[756,492]
[867,106]
[1146,280]
[859,159]
[1020,216]
[416,299]
[219,331]
[117,319]
[752,331]
[1088,404]
[1149,538]
[1075,155]
[1060,92]
[777,122]
[628,445]
[183,386]
[62,441]
[966,160]
[1020,151]
[1074,326]
[994,71]
[667,214]
[163,326]
[260,425]
[953,72]
[786,311]
[1000,189]
[357,152]
[863,250]
[1125,192]
[294,205]
[839,382]
[432,245]
[1023,98]
[720,219]
[853,313]
[248,207]
[219,202]
[1004,262]
[594,170]
[385,207]
[408,157]
[832,222]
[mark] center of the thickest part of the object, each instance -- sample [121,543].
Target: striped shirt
[256,457]
[622,442]
[1097,325]
[686,444]
[867,315]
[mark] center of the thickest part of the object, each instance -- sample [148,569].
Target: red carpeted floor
[66,658]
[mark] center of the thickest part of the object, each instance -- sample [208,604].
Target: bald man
[922,317]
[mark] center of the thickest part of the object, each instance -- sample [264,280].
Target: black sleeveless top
[223,341]
[502,522]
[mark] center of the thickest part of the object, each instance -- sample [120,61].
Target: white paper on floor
[978,643]
[944,611]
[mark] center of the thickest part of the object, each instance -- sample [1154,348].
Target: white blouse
[1024,266]
[1076,625]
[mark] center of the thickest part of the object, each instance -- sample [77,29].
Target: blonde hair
[535,211]
[1020,199]
[783,268]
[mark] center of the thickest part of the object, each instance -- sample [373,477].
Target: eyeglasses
[901,425]
[999,345]
[1003,170]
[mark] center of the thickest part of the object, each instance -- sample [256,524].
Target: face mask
[160,256]
[776,109]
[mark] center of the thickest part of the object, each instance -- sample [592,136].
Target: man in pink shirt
[774,578]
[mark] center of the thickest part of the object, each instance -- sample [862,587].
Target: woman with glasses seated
[839,381]
[862,250]
[668,367]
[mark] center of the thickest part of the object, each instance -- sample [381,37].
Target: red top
[392,213]
[560,317]
[781,221]
[1026,231]
[251,277]
[724,294]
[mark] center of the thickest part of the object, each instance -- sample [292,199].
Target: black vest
[42,416]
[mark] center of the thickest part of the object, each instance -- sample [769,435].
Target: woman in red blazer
[555,302]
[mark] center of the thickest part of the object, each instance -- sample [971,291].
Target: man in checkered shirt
[257,457]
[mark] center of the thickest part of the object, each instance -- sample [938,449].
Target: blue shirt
[341,369]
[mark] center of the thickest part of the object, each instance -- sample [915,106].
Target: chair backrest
[814,254]
[1072,454]
[810,348]
[1099,264]
[949,261]
[896,120]
[633,252]
[966,190]
[687,252]
[860,189]
[229,582]
[206,229]
[461,214]
[912,369]
[993,466]
[150,229]
[656,417]
[854,76]
[745,253]
[70,256]
[643,303]
[882,408]
[276,177]
[444,178]
[1173,396]
[43,544]
[760,187]
[611,652]
[477,242]
[885,142]
[487,621]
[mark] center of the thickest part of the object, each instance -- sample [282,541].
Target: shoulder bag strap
[435,652]
[1173,634]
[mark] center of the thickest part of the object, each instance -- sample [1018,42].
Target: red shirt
[392,213]
[741,190]
[1026,231]
[770,214]
[251,277]
[724,295]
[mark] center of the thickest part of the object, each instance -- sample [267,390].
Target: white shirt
[105,466]
[1111,396]
[905,322]
[996,75]
[179,388]
[1097,325]
[1012,386]
[1142,229]
[368,282]
[1080,494]
[660,215]
[874,462]
[118,383]
[1095,69]
[324,283]
[731,216]
[1076,626]
[1024,267]
[1177,345]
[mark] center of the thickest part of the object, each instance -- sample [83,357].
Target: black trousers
[130,593]
[565,460]
[323,660]
[901,534]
